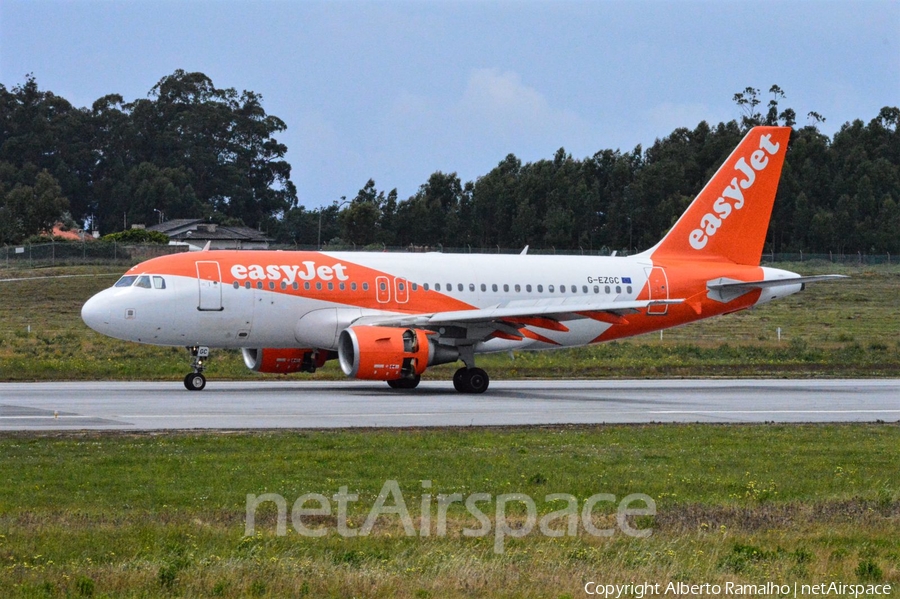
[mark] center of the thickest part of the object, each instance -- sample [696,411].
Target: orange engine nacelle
[383,353]
[283,361]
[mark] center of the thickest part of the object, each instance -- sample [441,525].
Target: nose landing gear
[195,381]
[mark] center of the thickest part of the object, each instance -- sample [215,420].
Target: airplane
[390,316]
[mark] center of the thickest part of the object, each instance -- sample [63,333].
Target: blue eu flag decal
[626,280]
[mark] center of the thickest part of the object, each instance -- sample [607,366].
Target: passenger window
[528,288]
[319,286]
[330,286]
[126,281]
[459,286]
[352,286]
[306,285]
[540,289]
[425,286]
[259,284]
[365,286]
[236,285]
[618,289]
[247,285]
[596,288]
[159,283]
[437,286]
[382,285]
[607,289]
[449,286]
[283,285]
[550,288]
[518,288]
[271,284]
[483,287]
[143,281]
[575,288]
[400,286]
[342,287]
[505,287]
[562,288]
[584,288]
[494,287]
[628,289]
[471,286]
[295,285]
[415,286]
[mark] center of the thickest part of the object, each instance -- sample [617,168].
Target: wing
[507,320]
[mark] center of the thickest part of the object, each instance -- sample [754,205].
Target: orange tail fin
[728,220]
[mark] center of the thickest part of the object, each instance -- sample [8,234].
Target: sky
[394,91]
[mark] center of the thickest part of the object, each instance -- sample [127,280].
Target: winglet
[206,247]
[728,219]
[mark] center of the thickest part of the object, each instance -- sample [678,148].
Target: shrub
[137,236]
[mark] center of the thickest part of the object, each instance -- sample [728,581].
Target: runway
[305,404]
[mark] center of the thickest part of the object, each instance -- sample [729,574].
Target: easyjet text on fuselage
[290,272]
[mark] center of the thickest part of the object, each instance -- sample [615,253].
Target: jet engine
[283,361]
[386,353]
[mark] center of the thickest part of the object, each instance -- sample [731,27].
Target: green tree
[222,138]
[31,209]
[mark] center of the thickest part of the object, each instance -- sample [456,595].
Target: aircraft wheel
[405,383]
[471,380]
[195,381]
[477,381]
[458,377]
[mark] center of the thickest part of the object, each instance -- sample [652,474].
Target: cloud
[314,157]
[502,104]
[468,127]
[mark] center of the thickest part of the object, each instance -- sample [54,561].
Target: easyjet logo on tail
[732,197]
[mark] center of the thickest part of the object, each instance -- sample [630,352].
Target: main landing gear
[465,380]
[470,379]
[195,381]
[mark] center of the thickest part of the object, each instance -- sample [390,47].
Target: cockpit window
[143,281]
[126,281]
[159,283]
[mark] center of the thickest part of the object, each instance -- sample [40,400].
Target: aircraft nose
[95,313]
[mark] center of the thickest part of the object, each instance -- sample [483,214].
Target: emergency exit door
[658,284]
[209,278]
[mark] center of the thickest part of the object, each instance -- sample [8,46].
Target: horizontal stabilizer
[725,290]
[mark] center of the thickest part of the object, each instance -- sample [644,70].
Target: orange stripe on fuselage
[687,280]
[305,267]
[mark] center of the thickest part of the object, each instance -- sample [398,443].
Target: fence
[95,252]
[851,259]
[99,252]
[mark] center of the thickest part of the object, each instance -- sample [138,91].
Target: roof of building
[72,234]
[197,228]
[177,223]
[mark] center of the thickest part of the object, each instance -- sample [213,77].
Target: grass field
[164,515]
[149,515]
[840,329]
